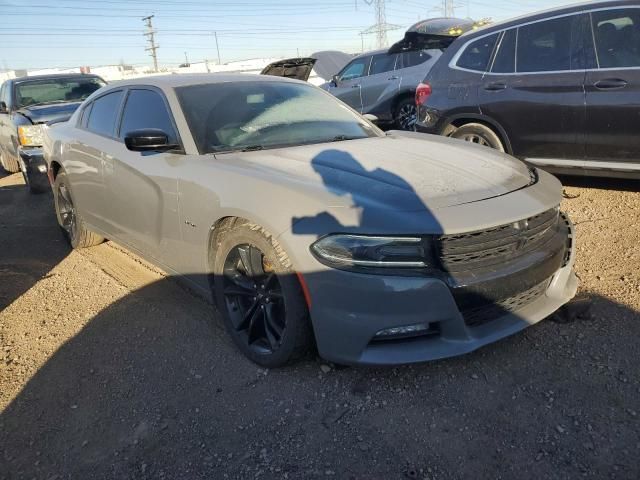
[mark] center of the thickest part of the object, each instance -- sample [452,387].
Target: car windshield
[58,90]
[252,115]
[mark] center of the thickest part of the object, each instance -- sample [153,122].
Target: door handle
[610,83]
[395,77]
[496,86]
[355,86]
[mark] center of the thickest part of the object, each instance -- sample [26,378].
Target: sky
[71,33]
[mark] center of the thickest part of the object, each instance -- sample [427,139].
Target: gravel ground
[109,369]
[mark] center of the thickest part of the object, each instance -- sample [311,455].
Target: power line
[150,33]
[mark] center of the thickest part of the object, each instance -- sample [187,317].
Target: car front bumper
[33,166]
[349,309]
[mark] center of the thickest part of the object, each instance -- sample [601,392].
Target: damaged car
[27,104]
[309,226]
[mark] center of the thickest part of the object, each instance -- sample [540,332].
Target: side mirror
[147,140]
[4,108]
[371,117]
[335,80]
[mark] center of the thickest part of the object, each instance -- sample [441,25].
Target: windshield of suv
[55,90]
[252,115]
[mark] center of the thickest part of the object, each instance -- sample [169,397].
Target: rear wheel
[9,164]
[260,297]
[70,222]
[405,114]
[479,134]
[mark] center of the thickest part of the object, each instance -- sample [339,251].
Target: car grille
[478,249]
[480,315]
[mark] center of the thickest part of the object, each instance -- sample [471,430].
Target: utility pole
[381,26]
[152,42]
[215,34]
[448,8]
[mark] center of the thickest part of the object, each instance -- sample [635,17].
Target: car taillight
[423,92]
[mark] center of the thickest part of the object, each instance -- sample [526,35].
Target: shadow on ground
[627,185]
[153,388]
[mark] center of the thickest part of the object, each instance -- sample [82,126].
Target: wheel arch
[462,119]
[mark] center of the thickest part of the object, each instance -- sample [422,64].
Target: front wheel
[479,134]
[405,114]
[70,222]
[260,297]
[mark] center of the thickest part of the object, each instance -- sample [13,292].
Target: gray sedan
[306,224]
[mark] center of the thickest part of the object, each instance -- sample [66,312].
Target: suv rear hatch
[297,68]
[435,33]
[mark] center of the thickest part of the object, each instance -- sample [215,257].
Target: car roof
[53,76]
[552,12]
[183,80]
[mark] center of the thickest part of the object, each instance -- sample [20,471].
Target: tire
[259,296]
[405,114]
[9,164]
[72,225]
[479,134]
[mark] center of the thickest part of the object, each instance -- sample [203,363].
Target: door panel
[141,200]
[613,91]
[381,81]
[538,96]
[349,83]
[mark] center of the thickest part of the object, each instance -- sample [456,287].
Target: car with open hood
[27,104]
[306,224]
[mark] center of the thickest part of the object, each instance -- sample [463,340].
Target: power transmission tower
[448,8]
[381,27]
[152,41]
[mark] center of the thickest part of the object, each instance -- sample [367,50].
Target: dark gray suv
[559,89]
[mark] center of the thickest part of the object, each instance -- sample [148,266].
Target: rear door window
[104,112]
[617,37]
[545,46]
[146,109]
[505,60]
[382,63]
[413,58]
[477,54]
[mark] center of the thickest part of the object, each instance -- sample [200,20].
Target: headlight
[348,251]
[31,135]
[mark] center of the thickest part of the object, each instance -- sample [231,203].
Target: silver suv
[384,84]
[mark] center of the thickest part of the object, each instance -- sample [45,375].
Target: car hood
[48,113]
[297,68]
[403,171]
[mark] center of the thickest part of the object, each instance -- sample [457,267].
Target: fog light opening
[407,331]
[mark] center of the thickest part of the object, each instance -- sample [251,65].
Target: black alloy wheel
[406,115]
[254,299]
[66,211]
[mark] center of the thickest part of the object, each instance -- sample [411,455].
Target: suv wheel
[479,134]
[260,297]
[405,114]
[70,222]
[9,164]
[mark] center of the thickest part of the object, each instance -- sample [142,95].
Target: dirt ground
[108,369]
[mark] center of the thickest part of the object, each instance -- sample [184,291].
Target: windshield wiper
[341,138]
[52,102]
[252,148]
